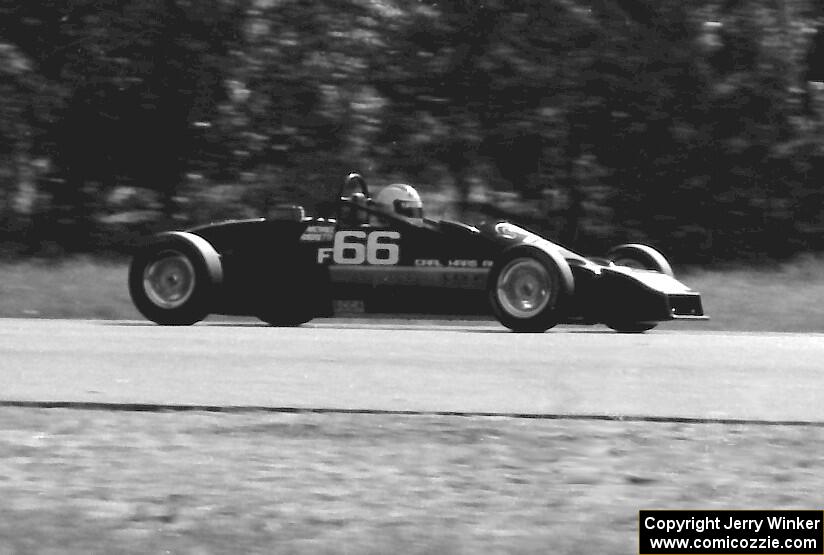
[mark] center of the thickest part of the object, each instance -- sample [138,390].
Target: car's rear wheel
[286,318]
[170,281]
[289,300]
[639,257]
[529,289]
[631,327]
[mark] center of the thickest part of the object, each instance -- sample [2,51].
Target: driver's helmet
[400,199]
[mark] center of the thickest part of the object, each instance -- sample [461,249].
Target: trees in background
[113,95]
[696,126]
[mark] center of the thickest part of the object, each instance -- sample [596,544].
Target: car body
[290,268]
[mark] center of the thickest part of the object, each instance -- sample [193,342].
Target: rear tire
[171,281]
[529,289]
[631,327]
[290,298]
[286,319]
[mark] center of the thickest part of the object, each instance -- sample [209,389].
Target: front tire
[171,281]
[529,289]
[640,257]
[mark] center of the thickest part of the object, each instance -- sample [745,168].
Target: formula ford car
[381,256]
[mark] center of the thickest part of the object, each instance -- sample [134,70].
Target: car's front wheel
[171,280]
[639,257]
[529,289]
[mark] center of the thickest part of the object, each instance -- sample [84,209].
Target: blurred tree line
[696,126]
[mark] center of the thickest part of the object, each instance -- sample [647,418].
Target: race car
[381,255]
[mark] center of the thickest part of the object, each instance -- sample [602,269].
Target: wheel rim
[169,281]
[524,288]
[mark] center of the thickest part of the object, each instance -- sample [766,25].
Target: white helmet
[400,199]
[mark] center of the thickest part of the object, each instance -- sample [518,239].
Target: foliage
[696,126]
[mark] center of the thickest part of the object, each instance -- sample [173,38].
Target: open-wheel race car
[380,255]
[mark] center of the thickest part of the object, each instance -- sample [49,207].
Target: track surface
[429,367]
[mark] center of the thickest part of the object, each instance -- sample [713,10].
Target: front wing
[646,296]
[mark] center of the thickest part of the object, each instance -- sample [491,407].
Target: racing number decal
[358,247]
[350,249]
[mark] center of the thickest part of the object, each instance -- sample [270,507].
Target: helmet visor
[409,208]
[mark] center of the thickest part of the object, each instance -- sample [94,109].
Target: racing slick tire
[641,257]
[291,298]
[286,319]
[631,327]
[530,288]
[172,280]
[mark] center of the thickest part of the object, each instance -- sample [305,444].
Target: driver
[402,200]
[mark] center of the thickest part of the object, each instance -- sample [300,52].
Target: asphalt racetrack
[347,436]
[415,367]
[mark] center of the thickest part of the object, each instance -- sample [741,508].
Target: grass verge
[77,481]
[66,288]
[783,297]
